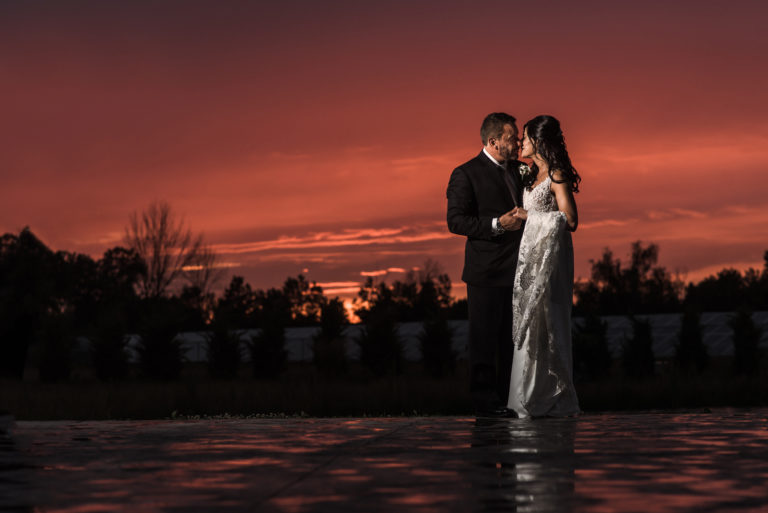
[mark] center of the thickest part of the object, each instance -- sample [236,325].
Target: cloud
[340,239]
[338,284]
[216,265]
[383,272]
[341,291]
[603,223]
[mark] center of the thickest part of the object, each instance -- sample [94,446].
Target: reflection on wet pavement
[659,462]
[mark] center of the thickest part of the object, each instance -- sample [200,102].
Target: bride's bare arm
[565,201]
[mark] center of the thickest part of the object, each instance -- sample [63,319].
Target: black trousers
[490,345]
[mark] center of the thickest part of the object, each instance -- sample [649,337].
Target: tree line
[160,282]
[641,286]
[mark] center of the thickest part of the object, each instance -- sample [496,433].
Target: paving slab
[625,462]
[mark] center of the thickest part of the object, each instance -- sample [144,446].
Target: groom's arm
[463,218]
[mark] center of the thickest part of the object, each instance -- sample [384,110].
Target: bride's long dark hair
[547,137]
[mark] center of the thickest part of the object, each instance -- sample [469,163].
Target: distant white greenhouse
[717,337]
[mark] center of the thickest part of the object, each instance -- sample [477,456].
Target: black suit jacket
[476,194]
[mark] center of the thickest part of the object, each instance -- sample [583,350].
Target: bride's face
[527,151]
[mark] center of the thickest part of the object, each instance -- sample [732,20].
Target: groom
[481,193]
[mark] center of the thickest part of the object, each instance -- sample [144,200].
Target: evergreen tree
[30,290]
[237,304]
[329,347]
[267,349]
[380,344]
[306,300]
[223,345]
[642,287]
[720,293]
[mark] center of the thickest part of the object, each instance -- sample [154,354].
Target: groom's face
[508,143]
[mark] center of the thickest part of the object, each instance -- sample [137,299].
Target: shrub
[638,358]
[380,345]
[329,347]
[591,356]
[437,353]
[746,336]
[108,347]
[160,352]
[267,350]
[691,353]
[223,346]
[57,341]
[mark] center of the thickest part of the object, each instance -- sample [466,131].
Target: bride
[542,366]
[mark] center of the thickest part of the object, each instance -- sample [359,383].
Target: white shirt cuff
[496,228]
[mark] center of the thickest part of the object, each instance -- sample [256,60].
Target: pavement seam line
[355,445]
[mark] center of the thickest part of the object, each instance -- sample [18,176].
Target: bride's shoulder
[557,175]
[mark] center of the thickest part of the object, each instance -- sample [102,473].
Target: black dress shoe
[498,413]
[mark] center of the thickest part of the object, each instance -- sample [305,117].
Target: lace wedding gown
[542,365]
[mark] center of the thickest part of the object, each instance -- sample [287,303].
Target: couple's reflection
[523,465]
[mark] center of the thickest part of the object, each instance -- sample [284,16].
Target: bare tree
[201,276]
[204,271]
[165,244]
[429,271]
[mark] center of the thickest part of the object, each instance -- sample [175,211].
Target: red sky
[321,135]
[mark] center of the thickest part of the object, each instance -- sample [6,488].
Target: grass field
[301,391]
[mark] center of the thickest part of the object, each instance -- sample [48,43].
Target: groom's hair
[493,125]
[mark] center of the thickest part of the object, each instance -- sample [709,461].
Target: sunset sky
[318,137]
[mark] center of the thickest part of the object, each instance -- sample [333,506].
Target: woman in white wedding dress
[542,367]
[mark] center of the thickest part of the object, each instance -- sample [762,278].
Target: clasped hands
[513,219]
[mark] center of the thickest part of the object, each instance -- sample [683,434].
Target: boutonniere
[524,170]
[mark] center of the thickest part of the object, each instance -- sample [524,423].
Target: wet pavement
[630,462]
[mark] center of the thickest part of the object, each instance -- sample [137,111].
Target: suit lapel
[514,171]
[510,182]
[499,177]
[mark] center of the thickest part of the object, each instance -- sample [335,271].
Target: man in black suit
[481,195]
